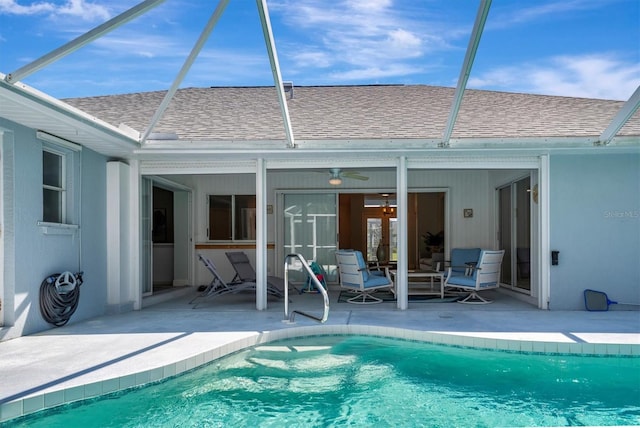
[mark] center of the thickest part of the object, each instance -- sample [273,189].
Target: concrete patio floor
[89,358]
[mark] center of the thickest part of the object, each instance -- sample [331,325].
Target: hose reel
[59,297]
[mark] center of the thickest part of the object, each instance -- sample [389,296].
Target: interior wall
[432,204]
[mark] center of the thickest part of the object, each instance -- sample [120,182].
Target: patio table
[421,287]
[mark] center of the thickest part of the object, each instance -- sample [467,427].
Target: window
[53,187]
[232,217]
[60,184]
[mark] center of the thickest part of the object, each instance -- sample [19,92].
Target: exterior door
[381,236]
[146,233]
[310,229]
[515,234]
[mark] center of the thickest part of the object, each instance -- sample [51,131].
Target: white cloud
[312,59]
[538,11]
[11,7]
[72,8]
[372,73]
[590,76]
[138,44]
[369,37]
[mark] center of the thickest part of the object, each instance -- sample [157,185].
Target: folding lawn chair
[246,274]
[217,286]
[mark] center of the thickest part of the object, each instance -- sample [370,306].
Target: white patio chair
[356,277]
[484,276]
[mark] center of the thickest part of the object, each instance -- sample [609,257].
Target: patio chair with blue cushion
[484,276]
[462,260]
[356,277]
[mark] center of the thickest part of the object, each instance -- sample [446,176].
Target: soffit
[30,108]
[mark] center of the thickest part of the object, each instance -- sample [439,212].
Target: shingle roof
[358,112]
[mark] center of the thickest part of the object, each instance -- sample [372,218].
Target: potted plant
[433,241]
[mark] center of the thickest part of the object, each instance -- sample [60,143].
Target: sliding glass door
[310,229]
[515,234]
[146,232]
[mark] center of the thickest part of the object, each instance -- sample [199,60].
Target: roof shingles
[358,112]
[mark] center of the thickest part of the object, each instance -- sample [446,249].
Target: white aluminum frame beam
[213,20]
[474,42]
[620,119]
[79,42]
[275,69]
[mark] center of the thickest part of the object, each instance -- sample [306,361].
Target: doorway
[368,220]
[381,228]
[514,226]
[166,235]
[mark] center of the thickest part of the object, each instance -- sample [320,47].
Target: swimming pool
[374,381]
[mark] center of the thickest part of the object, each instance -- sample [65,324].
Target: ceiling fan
[336,176]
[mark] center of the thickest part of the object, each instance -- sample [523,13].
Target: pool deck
[89,358]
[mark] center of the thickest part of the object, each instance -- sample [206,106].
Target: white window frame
[70,185]
[62,189]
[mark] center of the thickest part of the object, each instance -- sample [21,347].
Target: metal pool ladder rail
[316,283]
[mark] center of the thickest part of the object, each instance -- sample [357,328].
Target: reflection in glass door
[382,238]
[310,229]
[515,234]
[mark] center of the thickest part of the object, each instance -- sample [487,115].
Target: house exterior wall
[38,253]
[595,224]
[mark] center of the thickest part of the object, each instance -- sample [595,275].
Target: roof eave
[29,107]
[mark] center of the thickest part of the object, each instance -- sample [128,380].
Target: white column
[135,245]
[261,235]
[544,254]
[402,282]
[120,254]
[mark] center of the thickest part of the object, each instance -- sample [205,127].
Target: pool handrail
[314,281]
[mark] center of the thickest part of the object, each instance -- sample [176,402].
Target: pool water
[371,381]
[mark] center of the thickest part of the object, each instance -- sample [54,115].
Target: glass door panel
[523,234]
[146,232]
[505,233]
[374,236]
[393,239]
[310,229]
[382,231]
[515,234]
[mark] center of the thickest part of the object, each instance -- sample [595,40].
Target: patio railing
[314,280]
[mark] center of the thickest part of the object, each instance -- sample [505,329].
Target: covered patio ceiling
[29,107]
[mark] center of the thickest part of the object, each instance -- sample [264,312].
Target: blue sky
[581,48]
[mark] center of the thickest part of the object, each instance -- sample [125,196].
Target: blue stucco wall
[595,224]
[37,254]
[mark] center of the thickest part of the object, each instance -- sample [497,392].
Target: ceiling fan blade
[354,175]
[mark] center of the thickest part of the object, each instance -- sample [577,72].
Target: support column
[261,235]
[544,253]
[119,251]
[402,281]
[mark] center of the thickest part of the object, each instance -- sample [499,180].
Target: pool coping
[42,401]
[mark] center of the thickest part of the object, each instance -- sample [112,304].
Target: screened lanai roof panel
[358,112]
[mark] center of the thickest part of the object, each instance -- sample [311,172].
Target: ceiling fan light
[335,181]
